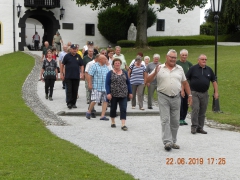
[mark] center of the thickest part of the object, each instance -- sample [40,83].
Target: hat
[90,42]
[73,46]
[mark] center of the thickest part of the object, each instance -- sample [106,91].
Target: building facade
[78,24]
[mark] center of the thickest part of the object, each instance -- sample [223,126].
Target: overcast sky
[208,5]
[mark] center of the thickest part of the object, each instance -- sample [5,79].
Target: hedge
[172,41]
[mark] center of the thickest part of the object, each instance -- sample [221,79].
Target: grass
[28,149]
[228,76]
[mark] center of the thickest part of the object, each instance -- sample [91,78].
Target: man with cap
[57,40]
[73,64]
[90,44]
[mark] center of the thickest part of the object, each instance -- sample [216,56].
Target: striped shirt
[137,77]
[98,74]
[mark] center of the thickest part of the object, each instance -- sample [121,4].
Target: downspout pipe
[14,38]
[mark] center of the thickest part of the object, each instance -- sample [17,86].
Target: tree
[229,17]
[183,6]
[119,29]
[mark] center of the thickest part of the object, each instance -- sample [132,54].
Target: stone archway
[48,20]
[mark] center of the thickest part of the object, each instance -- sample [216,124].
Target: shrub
[126,43]
[113,23]
[180,40]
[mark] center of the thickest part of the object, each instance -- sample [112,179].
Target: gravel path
[138,151]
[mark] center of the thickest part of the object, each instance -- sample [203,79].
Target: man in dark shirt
[184,99]
[73,66]
[200,76]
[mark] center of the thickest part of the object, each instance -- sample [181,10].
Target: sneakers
[93,115]
[88,115]
[74,106]
[167,147]
[69,106]
[113,125]
[201,131]
[193,130]
[124,128]
[104,118]
[141,108]
[133,107]
[50,98]
[183,122]
[175,146]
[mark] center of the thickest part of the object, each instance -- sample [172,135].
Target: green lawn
[228,76]
[28,149]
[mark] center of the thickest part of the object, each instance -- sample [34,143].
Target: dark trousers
[184,107]
[72,90]
[122,104]
[49,83]
[36,45]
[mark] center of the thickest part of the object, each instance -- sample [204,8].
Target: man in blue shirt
[73,64]
[96,82]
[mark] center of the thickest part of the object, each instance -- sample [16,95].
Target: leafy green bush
[113,23]
[126,43]
[180,40]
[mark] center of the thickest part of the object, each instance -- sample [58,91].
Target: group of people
[109,81]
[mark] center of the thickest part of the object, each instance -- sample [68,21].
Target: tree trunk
[141,41]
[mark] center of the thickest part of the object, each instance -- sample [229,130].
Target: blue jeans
[122,104]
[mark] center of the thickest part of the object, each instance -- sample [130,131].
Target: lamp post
[62,11]
[18,10]
[216,8]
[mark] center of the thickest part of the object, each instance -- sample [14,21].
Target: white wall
[6,19]
[188,25]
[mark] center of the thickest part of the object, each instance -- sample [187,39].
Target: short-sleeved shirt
[137,74]
[185,65]
[72,66]
[98,74]
[200,78]
[45,50]
[150,67]
[169,81]
[61,55]
[122,58]
[89,65]
[49,69]
[87,59]
[57,39]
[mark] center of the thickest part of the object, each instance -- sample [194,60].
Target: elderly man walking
[184,99]
[153,85]
[170,77]
[72,63]
[200,76]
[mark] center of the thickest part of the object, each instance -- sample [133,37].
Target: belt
[168,95]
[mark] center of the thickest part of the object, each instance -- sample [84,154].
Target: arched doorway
[48,20]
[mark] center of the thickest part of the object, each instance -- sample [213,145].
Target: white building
[77,25]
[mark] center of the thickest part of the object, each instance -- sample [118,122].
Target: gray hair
[138,58]
[147,57]
[171,51]
[102,50]
[117,47]
[184,51]
[156,56]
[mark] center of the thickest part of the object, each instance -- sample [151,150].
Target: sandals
[124,128]
[113,125]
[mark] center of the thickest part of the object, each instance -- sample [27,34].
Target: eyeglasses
[173,57]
